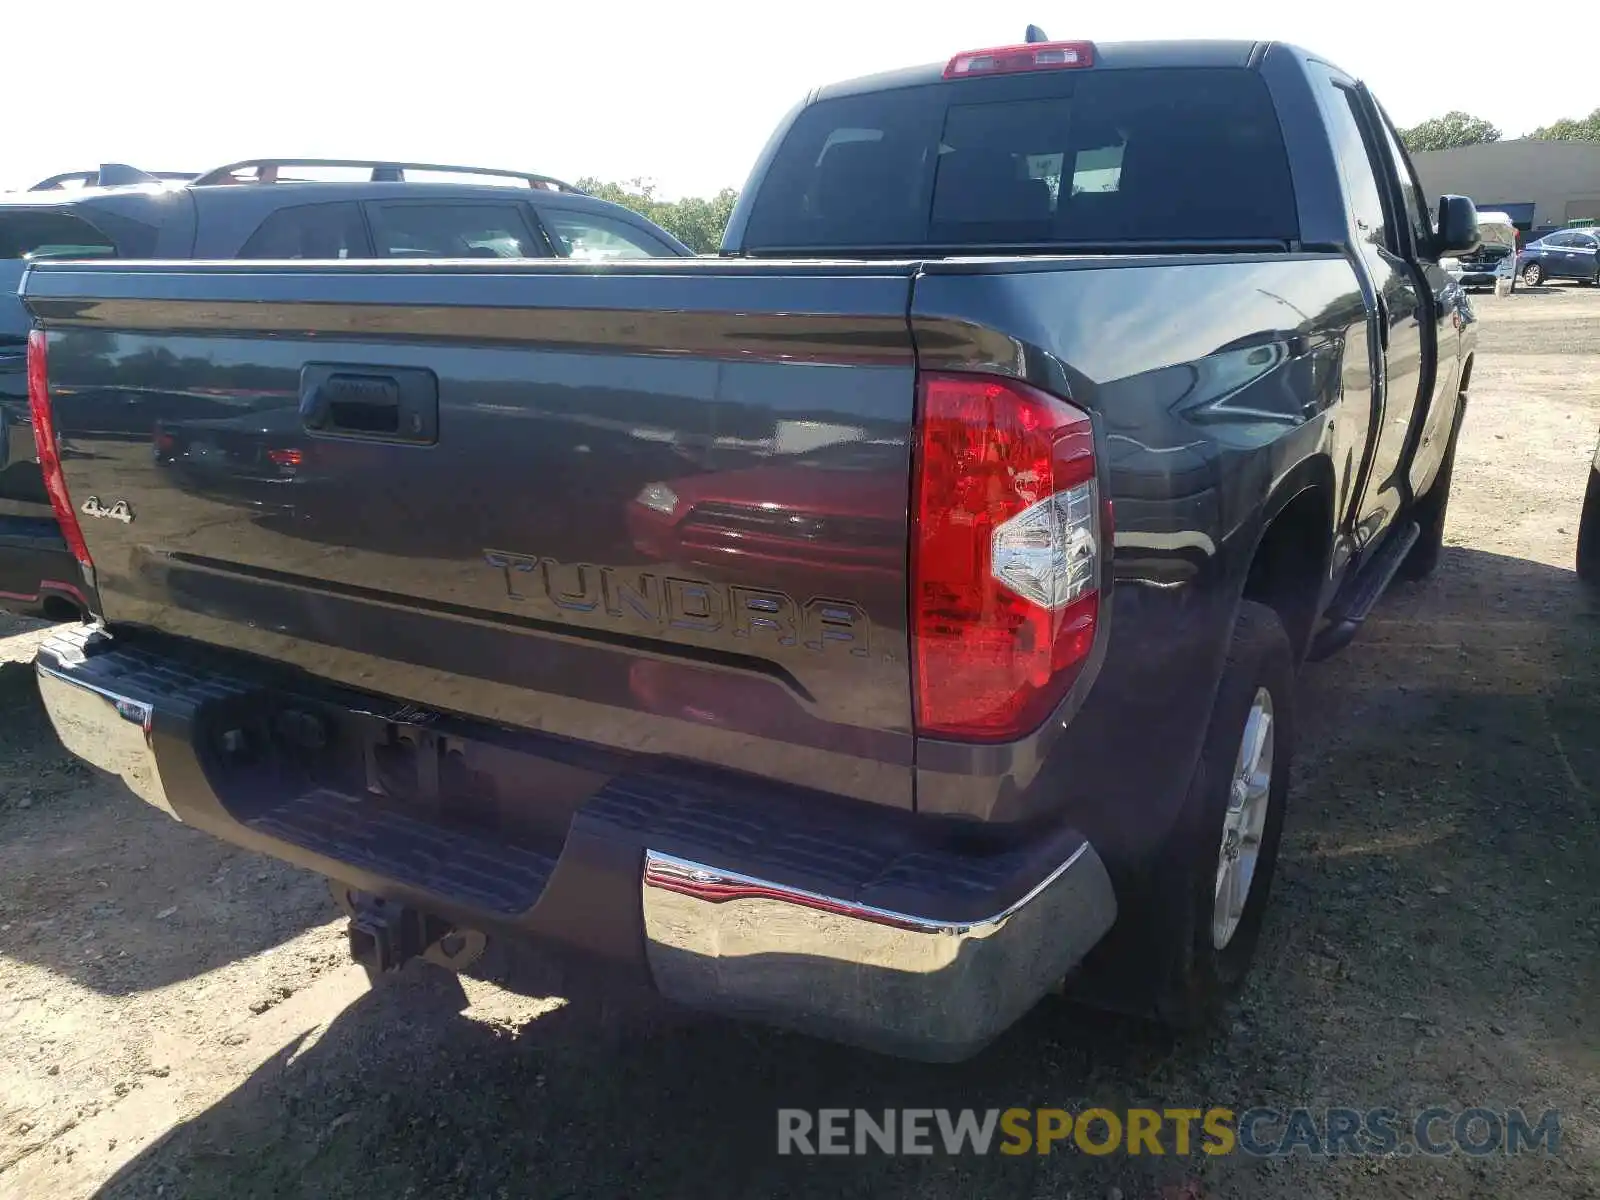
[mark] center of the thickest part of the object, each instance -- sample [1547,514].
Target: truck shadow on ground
[1430,942]
[105,890]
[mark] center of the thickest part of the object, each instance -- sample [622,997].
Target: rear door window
[319,231]
[427,230]
[594,236]
[1167,155]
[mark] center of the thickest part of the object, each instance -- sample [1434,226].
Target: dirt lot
[176,1017]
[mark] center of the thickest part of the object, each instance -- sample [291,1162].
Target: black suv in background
[259,209]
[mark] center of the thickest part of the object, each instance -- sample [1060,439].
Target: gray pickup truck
[868,631]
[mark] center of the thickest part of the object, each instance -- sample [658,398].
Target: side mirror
[1457,226]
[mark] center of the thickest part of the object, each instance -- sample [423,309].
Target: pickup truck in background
[262,208]
[867,631]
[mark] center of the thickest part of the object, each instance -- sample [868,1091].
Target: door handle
[353,403]
[387,404]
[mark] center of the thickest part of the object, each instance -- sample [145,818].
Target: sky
[684,94]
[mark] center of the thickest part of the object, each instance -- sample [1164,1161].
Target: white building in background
[1540,185]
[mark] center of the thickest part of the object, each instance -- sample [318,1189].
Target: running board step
[1348,613]
[472,870]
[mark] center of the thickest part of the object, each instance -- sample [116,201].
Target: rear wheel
[1533,274]
[1589,531]
[1225,849]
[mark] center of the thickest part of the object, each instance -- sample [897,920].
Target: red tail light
[1006,555]
[48,449]
[1035,56]
[285,458]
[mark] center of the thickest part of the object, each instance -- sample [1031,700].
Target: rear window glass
[1168,155]
[595,237]
[36,235]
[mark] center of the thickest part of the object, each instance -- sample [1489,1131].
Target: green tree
[696,221]
[1568,129]
[1449,131]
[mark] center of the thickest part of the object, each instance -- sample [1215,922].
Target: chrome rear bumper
[933,989]
[841,927]
[106,728]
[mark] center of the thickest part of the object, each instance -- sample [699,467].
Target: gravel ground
[177,1018]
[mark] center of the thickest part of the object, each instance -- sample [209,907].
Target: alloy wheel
[1245,822]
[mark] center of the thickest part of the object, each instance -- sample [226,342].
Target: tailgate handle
[386,404]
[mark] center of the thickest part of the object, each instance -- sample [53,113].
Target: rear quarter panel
[1219,390]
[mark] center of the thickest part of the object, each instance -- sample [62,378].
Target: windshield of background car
[1159,155]
[1492,235]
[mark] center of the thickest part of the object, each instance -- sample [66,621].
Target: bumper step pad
[470,870]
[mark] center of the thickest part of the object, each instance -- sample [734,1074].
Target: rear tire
[1532,275]
[1589,532]
[1430,512]
[1208,960]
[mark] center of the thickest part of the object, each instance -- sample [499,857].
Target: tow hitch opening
[386,935]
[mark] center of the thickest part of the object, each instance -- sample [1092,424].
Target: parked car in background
[111,175]
[867,631]
[1565,254]
[1494,260]
[258,209]
[1589,527]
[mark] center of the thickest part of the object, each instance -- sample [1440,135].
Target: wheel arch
[1289,568]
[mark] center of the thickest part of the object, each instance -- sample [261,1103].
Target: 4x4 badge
[117,512]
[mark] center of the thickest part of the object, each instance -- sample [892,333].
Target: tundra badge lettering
[594,596]
[119,511]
